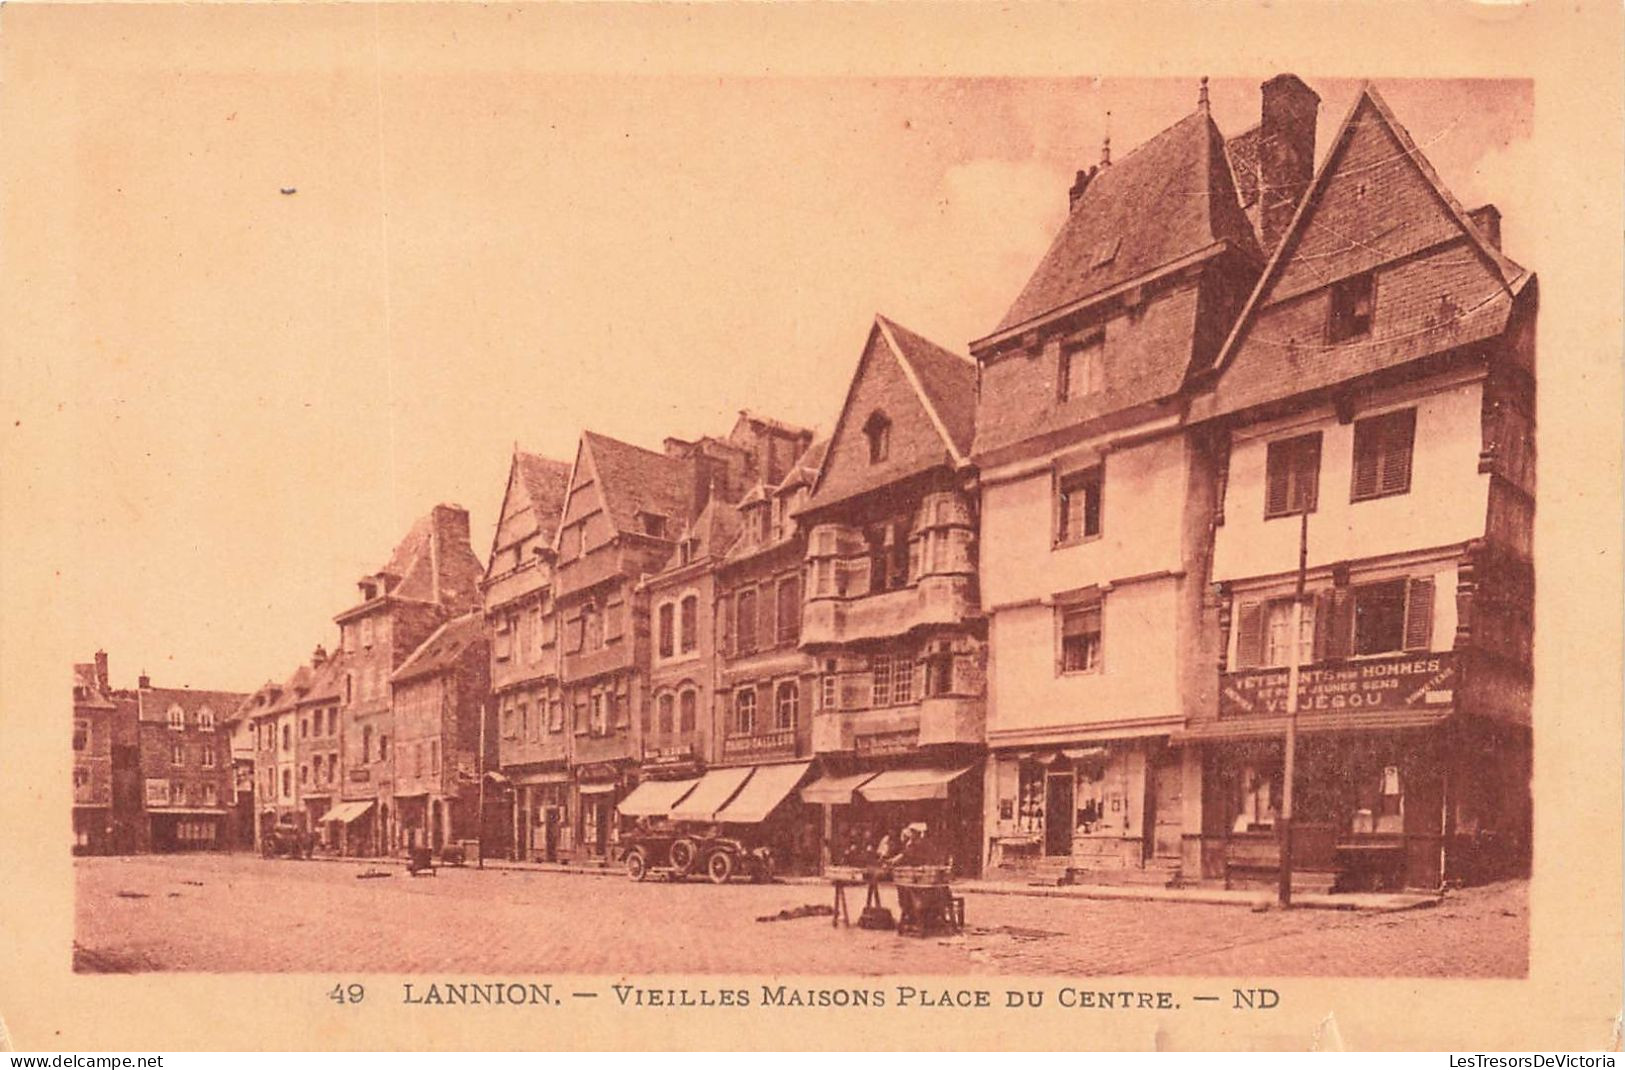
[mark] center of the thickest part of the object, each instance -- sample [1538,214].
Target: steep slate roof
[1252,369]
[716,529]
[546,483]
[1169,198]
[293,689]
[442,651]
[633,480]
[938,412]
[947,380]
[152,703]
[261,699]
[806,467]
[326,680]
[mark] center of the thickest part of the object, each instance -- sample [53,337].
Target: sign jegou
[1404,681]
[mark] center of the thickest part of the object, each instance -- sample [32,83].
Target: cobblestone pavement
[242,913]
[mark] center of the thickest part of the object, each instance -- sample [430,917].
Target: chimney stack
[144,682]
[1286,153]
[1487,218]
[318,657]
[1079,184]
[101,669]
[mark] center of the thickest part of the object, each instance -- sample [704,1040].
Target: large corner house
[1040,599]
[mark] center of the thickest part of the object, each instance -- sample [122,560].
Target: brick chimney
[101,669]
[1487,218]
[318,657]
[144,682]
[1286,153]
[1079,184]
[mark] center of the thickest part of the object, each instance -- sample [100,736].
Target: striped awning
[714,791]
[655,798]
[763,792]
[346,812]
[908,785]
[835,790]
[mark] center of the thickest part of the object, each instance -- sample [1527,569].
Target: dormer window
[877,429]
[177,717]
[1352,303]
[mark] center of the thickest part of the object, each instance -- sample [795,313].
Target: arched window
[745,711]
[786,699]
[666,630]
[177,717]
[205,719]
[690,620]
[877,429]
[667,702]
[688,710]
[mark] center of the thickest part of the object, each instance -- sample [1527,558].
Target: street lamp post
[1290,759]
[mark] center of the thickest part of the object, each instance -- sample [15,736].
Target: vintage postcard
[947,526]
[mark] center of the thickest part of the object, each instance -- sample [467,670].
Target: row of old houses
[1040,600]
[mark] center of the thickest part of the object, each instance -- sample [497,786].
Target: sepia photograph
[871,535]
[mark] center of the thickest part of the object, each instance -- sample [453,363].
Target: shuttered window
[1078,507]
[1080,638]
[1292,476]
[1250,626]
[1419,613]
[1382,454]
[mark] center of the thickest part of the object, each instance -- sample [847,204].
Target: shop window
[745,711]
[1082,368]
[785,702]
[689,619]
[1352,304]
[1257,798]
[1381,804]
[1078,506]
[1292,476]
[668,706]
[789,609]
[1080,638]
[688,710]
[877,430]
[81,735]
[666,630]
[1383,446]
[745,625]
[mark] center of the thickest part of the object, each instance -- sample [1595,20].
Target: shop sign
[157,793]
[1403,681]
[360,776]
[875,744]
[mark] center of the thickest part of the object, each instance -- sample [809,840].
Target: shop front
[864,810]
[187,829]
[1088,811]
[349,827]
[542,828]
[92,829]
[599,787]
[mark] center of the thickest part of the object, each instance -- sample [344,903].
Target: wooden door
[1059,813]
[1168,795]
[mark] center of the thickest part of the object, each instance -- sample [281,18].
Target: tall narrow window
[789,610]
[745,711]
[688,711]
[1082,368]
[745,623]
[81,734]
[1292,476]
[1278,633]
[1383,446]
[877,429]
[177,717]
[689,619]
[667,707]
[1352,303]
[880,669]
[1079,506]
[667,628]
[787,699]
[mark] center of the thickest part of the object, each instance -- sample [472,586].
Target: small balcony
[933,600]
[759,746]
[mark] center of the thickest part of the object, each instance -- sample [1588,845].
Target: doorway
[1167,802]
[551,833]
[1059,813]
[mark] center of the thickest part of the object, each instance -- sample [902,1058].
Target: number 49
[351,993]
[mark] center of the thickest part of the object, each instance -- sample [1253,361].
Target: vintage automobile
[679,853]
[287,840]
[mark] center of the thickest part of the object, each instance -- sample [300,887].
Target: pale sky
[266,388]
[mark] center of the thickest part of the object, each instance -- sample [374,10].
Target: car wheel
[636,866]
[682,856]
[719,867]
